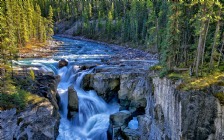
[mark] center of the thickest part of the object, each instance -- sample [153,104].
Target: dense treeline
[21,23]
[185,33]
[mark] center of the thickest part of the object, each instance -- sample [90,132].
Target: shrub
[13,100]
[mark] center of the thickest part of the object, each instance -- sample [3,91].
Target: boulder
[62,63]
[120,118]
[118,122]
[73,102]
[130,134]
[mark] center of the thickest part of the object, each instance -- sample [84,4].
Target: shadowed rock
[62,63]
[72,102]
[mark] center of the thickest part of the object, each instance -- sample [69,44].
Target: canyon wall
[163,111]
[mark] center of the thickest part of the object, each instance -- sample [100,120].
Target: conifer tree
[50,28]
[204,20]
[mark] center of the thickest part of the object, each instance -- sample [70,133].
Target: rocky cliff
[182,115]
[163,111]
[39,120]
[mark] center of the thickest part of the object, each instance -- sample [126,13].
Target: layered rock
[130,88]
[39,121]
[181,115]
[105,84]
[163,111]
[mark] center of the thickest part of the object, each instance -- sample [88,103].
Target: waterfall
[92,120]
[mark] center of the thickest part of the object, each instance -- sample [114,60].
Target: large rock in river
[105,84]
[73,102]
[62,63]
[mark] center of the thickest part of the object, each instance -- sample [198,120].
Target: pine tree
[216,34]
[50,28]
[204,19]
[39,24]
[171,49]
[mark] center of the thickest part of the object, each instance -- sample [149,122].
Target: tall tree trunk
[221,50]
[157,34]
[211,64]
[200,47]
[206,32]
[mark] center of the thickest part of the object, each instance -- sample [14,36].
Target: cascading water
[92,120]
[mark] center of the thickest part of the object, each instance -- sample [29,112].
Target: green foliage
[163,73]
[156,67]
[220,96]
[184,33]
[32,75]
[175,76]
[13,100]
[21,24]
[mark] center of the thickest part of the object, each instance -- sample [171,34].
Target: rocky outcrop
[118,122]
[62,63]
[130,88]
[46,86]
[181,115]
[133,90]
[163,111]
[73,102]
[105,84]
[39,121]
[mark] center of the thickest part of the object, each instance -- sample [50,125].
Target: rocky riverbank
[40,50]
[40,118]
[163,111]
[122,52]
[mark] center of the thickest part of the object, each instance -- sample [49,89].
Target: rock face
[73,102]
[133,90]
[118,122]
[178,115]
[130,88]
[62,63]
[37,121]
[105,84]
[163,111]
[40,121]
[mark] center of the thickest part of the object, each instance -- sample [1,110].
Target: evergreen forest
[184,33]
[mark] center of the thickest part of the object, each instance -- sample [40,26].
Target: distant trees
[21,22]
[184,33]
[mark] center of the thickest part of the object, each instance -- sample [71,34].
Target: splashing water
[92,120]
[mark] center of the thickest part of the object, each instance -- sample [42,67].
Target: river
[91,122]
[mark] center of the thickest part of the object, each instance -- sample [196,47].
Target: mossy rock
[220,96]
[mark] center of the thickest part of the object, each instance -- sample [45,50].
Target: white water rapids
[92,120]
